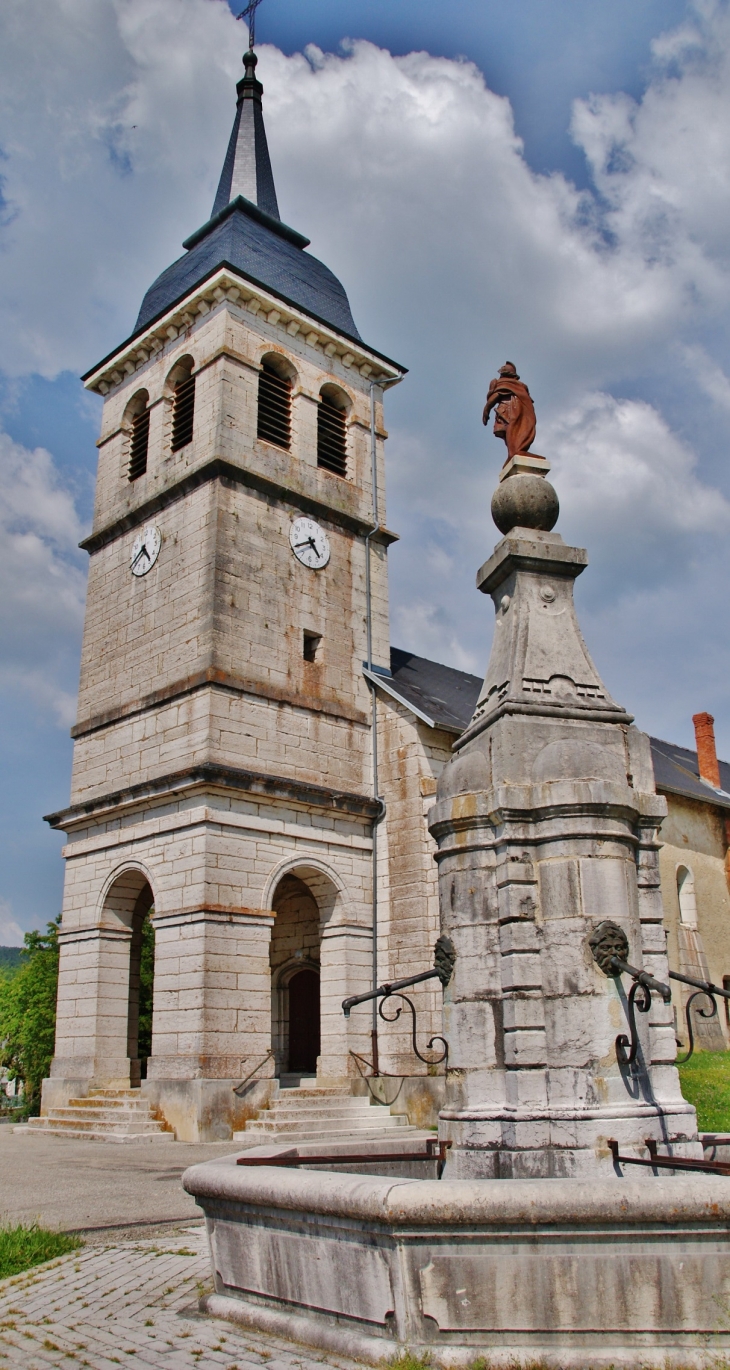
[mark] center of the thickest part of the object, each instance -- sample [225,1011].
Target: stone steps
[356,1124]
[310,1114]
[106,1115]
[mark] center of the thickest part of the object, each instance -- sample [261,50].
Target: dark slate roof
[247,168]
[676,771]
[246,234]
[251,243]
[449,697]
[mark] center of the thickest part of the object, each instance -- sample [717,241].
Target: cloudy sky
[547,181]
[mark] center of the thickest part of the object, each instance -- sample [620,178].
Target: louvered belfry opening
[274,418]
[139,444]
[183,413]
[331,436]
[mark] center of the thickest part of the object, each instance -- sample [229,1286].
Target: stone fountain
[535,1244]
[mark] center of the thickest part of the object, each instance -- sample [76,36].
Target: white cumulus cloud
[11,933]
[410,177]
[42,581]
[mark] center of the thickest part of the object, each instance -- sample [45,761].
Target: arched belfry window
[332,430]
[137,420]
[687,898]
[182,382]
[274,410]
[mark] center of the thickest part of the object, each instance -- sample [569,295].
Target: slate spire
[247,168]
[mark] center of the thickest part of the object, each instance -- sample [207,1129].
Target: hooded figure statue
[514,420]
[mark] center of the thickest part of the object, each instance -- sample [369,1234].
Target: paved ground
[135,1304]
[101,1189]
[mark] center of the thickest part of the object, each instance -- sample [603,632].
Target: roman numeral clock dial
[309,543]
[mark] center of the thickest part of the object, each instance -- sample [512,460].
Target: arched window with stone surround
[274,400]
[181,381]
[686,895]
[332,430]
[137,424]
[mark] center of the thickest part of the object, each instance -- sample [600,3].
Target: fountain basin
[623,1272]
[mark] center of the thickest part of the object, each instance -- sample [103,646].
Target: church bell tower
[222,776]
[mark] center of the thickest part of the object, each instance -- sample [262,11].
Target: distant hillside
[10,958]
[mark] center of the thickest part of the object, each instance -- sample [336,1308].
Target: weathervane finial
[250,14]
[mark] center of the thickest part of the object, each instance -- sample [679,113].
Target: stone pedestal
[547,823]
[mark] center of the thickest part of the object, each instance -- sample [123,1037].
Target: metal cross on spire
[250,14]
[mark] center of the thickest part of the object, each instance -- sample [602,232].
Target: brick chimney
[706,750]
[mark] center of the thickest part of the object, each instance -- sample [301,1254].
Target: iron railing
[435,1151]
[443,969]
[610,947]
[657,1162]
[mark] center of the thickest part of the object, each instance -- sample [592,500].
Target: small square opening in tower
[311,645]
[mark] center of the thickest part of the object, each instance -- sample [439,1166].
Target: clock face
[309,543]
[145,550]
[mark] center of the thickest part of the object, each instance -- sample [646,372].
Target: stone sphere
[525,501]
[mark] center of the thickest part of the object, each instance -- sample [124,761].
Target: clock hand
[308,542]
[141,550]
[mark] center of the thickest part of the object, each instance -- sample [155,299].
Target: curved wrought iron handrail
[443,1059]
[643,1004]
[606,942]
[698,994]
[444,961]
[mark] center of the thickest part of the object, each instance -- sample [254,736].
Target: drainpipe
[380,815]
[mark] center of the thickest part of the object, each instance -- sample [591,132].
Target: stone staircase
[105,1115]
[312,1113]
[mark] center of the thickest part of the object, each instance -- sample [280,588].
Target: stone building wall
[412,756]
[693,837]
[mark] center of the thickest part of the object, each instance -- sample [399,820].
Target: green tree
[28,1014]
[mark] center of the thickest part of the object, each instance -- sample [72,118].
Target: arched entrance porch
[295,978]
[126,915]
[318,943]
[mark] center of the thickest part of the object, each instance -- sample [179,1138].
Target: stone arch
[333,411]
[687,896]
[134,408]
[119,894]
[337,396]
[325,882]
[310,937]
[279,362]
[126,902]
[181,370]
[693,960]
[276,380]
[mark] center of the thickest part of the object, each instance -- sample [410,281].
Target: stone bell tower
[222,757]
[547,825]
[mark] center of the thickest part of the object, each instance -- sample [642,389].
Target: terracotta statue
[514,420]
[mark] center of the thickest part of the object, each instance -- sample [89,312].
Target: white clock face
[145,550]
[309,543]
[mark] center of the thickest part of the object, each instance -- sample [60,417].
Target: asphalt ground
[102,1190]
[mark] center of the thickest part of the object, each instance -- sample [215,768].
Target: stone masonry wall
[412,756]
[693,836]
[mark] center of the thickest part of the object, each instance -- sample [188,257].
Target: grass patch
[408,1360]
[706,1083]
[23,1247]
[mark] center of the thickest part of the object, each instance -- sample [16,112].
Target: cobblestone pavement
[133,1304]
